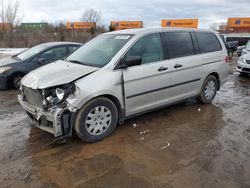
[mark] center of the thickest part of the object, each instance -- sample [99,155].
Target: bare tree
[10,15]
[91,15]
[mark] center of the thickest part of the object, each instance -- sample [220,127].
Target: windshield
[30,52]
[248,45]
[99,51]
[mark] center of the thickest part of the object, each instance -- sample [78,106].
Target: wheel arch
[216,75]
[115,100]
[14,75]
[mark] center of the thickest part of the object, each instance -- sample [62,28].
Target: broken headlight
[60,93]
[57,95]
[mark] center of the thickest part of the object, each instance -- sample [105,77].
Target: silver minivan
[122,74]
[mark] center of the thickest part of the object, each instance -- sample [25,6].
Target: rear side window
[179,44]
[72,49]
[208,42]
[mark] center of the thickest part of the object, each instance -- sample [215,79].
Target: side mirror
[129,62]
[133,60]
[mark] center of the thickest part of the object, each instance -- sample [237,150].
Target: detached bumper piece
[58,122]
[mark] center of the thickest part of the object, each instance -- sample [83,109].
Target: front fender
[78,104]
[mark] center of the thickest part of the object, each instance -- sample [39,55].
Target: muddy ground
[186,145]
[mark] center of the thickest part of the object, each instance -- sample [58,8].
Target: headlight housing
[60,93]
[4,69]
[57,95]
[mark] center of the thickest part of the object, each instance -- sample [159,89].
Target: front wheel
[208,90]
[96,120]
[17,82]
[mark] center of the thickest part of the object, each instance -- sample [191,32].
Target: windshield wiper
[76,61]
[82,63]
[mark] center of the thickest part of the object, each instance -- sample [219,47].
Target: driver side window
[149,48]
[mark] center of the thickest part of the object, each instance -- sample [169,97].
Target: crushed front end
[49,109]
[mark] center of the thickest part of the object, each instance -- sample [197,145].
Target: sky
[151,12]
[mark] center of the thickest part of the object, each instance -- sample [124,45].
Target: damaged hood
[57,73]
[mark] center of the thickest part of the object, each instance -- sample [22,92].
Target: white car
[122,74]
[246,50]
[243,64]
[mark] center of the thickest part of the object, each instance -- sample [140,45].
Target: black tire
[80,121]
[17,81]
[202,97]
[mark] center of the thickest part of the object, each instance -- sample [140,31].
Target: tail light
[226,59]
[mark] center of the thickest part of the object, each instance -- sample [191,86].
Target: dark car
[13,68]
[231,46]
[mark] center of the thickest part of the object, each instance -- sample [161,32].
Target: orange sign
[126,24]
[238,22]
[80,25]
[184,23]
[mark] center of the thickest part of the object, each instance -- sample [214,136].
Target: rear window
[179,44]
[208,42]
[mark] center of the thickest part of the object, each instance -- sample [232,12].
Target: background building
[35,25]
[5,26]
[239,25]
[235,25]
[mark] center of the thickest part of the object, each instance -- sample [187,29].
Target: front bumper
[243,67]
[57,121]
[3,82]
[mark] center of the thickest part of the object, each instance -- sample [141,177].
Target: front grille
[32,96]
[246,70]
[248,61]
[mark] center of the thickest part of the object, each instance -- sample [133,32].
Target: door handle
[162,69]
[177,66]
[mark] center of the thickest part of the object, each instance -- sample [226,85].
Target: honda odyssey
[121,74]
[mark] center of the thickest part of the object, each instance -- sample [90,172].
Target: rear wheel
[96,120]
[208,90]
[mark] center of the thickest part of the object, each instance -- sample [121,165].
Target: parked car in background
[230,46]
[13,68]
[11,51]
[246,50]
[243,65]
[239,50]
[121,74]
